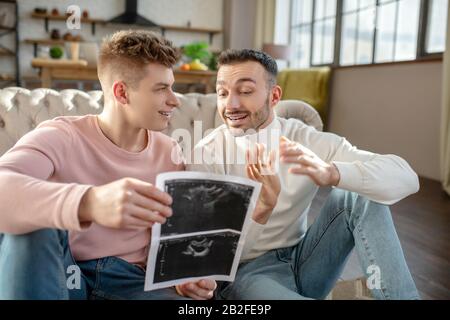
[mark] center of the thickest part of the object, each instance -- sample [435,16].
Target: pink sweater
[44,176]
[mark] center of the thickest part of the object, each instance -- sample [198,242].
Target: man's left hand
[308,163]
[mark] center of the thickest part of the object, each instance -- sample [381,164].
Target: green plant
[56,52]
[212,64]
[197,50]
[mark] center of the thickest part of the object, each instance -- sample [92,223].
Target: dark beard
[263,114]
[260,117]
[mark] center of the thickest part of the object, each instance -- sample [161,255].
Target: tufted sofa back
[21,110]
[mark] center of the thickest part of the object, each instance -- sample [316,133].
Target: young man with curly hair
[77,193]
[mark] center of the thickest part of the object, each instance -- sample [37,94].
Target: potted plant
[56,52]
[198,54]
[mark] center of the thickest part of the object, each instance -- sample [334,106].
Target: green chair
[309,85]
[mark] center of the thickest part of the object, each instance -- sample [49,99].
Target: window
[397,30]
[358,28]
[351,32]
[324,25]
[313,20]
[437,17]
[301,32]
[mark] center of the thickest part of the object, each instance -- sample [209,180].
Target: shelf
[55,63]
[63,18]
[6,52]
[7,28]
[188,29]
[7,77]
[47,17]
[211,32]
[48,42]
[195,72]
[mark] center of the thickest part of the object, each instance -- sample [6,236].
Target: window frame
[421,50]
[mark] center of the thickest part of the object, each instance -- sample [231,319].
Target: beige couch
[21,110]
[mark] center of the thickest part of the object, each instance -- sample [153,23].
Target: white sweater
[382,178]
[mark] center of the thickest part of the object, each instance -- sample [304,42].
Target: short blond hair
[126,53]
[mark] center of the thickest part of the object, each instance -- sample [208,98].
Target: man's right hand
[262,169]
[125,203]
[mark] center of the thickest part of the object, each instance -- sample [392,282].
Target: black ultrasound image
[206,205]
[196,256]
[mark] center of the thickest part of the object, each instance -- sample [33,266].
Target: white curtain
[445,125]
[264,23]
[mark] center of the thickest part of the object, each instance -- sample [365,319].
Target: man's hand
[261,168]
[308,163]
[200,290]
[125,203]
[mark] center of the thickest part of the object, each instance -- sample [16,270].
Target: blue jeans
[311,268]
[39,265]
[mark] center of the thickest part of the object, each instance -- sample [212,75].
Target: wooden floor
[423,225]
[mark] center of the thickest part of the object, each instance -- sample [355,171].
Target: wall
[240,19]
[201,13]
[391,109]
[240,23]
